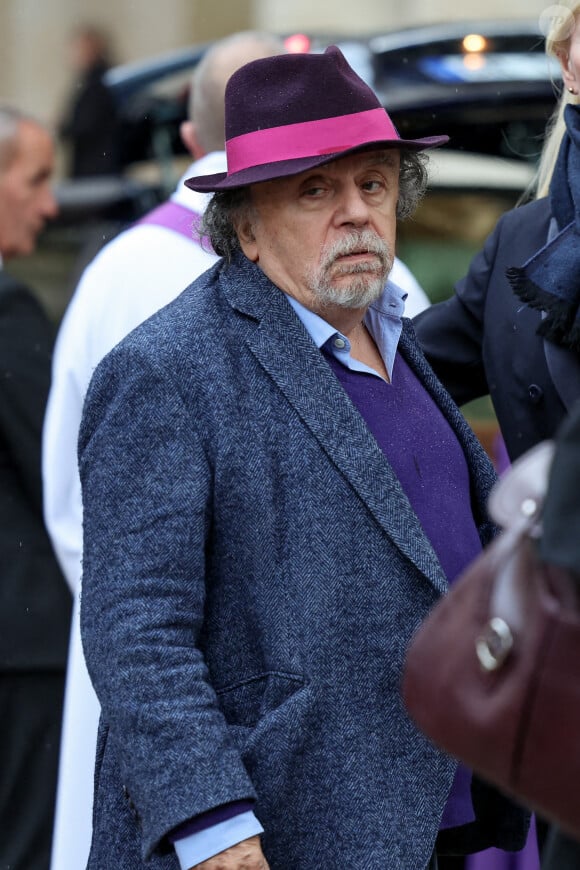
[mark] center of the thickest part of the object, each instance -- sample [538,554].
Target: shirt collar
[390,304]
[382,319]
[207,165]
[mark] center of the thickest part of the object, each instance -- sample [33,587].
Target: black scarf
[550,280]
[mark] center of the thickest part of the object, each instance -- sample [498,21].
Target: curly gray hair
[228,207]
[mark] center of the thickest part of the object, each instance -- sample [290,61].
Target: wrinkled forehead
[389,158]
[33,138]
[363,159]
[33,150]
[386,160]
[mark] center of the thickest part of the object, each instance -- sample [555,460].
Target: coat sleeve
[451,333]
[146,484]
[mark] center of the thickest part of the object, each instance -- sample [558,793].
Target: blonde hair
[557,41]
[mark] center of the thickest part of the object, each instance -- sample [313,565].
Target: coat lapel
[282,346]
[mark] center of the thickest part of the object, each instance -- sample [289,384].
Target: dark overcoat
[35,603]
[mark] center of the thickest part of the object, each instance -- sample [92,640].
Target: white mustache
[358,243]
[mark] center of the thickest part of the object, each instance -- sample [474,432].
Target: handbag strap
[517,498]
[515,504]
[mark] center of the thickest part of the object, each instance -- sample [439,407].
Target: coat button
[535,393]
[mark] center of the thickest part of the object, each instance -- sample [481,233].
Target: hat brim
[284,168]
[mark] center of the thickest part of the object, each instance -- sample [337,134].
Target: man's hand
[246,855]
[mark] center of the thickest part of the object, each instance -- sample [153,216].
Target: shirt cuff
[195,848]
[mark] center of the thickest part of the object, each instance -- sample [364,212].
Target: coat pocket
[246,702]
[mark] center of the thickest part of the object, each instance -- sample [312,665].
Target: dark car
[488,85]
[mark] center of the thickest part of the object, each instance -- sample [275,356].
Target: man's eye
[373,186]
[313,191]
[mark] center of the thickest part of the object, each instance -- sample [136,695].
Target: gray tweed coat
[252,574]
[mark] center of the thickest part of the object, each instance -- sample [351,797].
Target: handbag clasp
[494,646]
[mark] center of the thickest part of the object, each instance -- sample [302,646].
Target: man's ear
[188,134]
[247,239]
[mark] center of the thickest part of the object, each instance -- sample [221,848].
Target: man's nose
[49,204]
[352,207]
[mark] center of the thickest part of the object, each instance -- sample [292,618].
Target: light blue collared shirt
[383,320]
[195,848]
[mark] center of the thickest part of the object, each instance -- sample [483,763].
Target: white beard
[367,280]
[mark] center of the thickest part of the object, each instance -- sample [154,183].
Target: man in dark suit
[34,601]
[276,490]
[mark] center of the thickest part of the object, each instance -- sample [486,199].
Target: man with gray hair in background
[34,601]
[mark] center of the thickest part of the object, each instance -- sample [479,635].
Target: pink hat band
[304,139]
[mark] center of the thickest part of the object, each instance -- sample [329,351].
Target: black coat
[35,602]
[92,127]
[484,339]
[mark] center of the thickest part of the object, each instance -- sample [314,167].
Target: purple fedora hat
[291,112]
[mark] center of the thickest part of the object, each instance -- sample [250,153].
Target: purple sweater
[431,467]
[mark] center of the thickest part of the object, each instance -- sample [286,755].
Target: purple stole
[178,218]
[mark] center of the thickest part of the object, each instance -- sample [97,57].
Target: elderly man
[138,272]
[276,489]
[34,601]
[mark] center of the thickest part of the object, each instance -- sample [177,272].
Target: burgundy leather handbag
[493,674]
